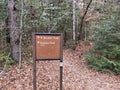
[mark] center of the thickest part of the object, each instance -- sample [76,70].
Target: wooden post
[34,62]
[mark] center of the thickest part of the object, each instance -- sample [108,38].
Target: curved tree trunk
[82,21]
[14,31]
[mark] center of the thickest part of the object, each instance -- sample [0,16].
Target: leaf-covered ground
[76,75]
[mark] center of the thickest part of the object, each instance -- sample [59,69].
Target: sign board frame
[45,37]
[55,39]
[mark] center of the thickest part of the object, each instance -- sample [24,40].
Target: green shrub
[6,61]
[103,64]
[105,56]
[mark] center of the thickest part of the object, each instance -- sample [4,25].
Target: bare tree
[14,30]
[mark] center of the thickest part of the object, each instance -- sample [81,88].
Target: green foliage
[6,61]
[47,16]
[3,10]
[106,53]
[103,64]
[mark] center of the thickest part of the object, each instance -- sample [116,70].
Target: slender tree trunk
[56,2]
[82,21]
[74,20]
[21,27]
[14,31]
[53,13]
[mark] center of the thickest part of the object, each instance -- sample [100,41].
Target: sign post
[47,46]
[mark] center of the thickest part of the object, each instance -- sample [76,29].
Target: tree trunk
[82,21]
[74,19]
[56,3]
[14,31]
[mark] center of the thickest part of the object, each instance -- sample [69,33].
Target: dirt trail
[76,76]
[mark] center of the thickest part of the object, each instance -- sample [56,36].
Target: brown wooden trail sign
[47,46]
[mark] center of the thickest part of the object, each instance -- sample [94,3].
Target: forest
[91,44]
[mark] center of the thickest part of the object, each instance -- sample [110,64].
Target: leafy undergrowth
[76,74]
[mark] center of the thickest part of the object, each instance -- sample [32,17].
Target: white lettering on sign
[46,40]
[47,37]
[45,43]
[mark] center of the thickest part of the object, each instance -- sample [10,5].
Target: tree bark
[82,21]
[14,30]
[56,3]
[74,20]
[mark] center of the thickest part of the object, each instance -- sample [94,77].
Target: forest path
[76,75]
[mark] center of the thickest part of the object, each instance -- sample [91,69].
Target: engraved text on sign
[47,46]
